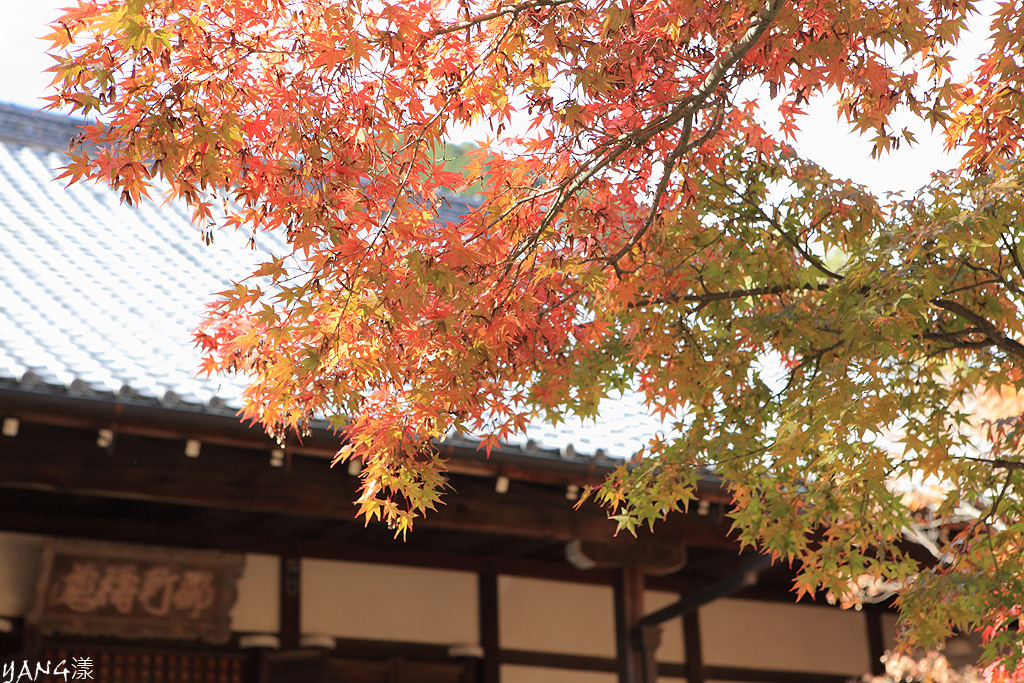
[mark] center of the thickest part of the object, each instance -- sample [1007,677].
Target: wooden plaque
[93,588]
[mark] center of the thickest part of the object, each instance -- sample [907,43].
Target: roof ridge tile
[37,128]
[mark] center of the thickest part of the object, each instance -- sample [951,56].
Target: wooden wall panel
[390,603]
[671,648]
[19,565]
[534,674]
[256,606]
[761,635]
[556,616]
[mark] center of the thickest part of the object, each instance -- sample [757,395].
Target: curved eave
[46,405]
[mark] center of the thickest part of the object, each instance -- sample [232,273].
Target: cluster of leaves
[637,229]
[935,668]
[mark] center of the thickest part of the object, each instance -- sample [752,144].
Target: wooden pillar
[650,639]
[289,618]
[876,643]
[487,586]
[629,609]
[31,641]
[692,647]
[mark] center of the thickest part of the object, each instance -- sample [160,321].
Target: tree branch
[681,148]
[1011,248]
[728,295]
[795,243]
[1011,346]
[689,106]
[982,326]
[481,18]
[996,462]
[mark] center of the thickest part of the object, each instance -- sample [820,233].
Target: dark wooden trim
[554,660]
[732,673]
[60,640]
[285,666]
[145,419]
[629,608]
[490,639]
[222,426]
[876,641]
[13,643]
[693,651]
[381,650]
[289,603]
[137,531]
[241,480]
[649,640]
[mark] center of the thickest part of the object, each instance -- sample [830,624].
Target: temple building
[147,535]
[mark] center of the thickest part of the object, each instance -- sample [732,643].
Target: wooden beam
[876,641]
[239,480]
[155,420]
[731,673]
[523,467]
[138,530]
[223,427]
[650,639]
[144,418]
[651,553]
[552,660]
[629,608]
[380,650]
[694,652]
[289,604]
[744,575]
[548,515]
[490,639]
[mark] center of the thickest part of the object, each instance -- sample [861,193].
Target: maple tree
[637,229]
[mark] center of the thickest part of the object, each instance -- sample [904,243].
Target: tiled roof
[101,298]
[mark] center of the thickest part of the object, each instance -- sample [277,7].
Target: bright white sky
[823,139]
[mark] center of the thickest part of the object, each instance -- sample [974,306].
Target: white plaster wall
[257,608]
[19,567]
[754,634]
[671,647]
[535,674]
[556,616]
[386,602]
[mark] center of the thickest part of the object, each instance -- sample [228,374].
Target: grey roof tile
[97,296]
